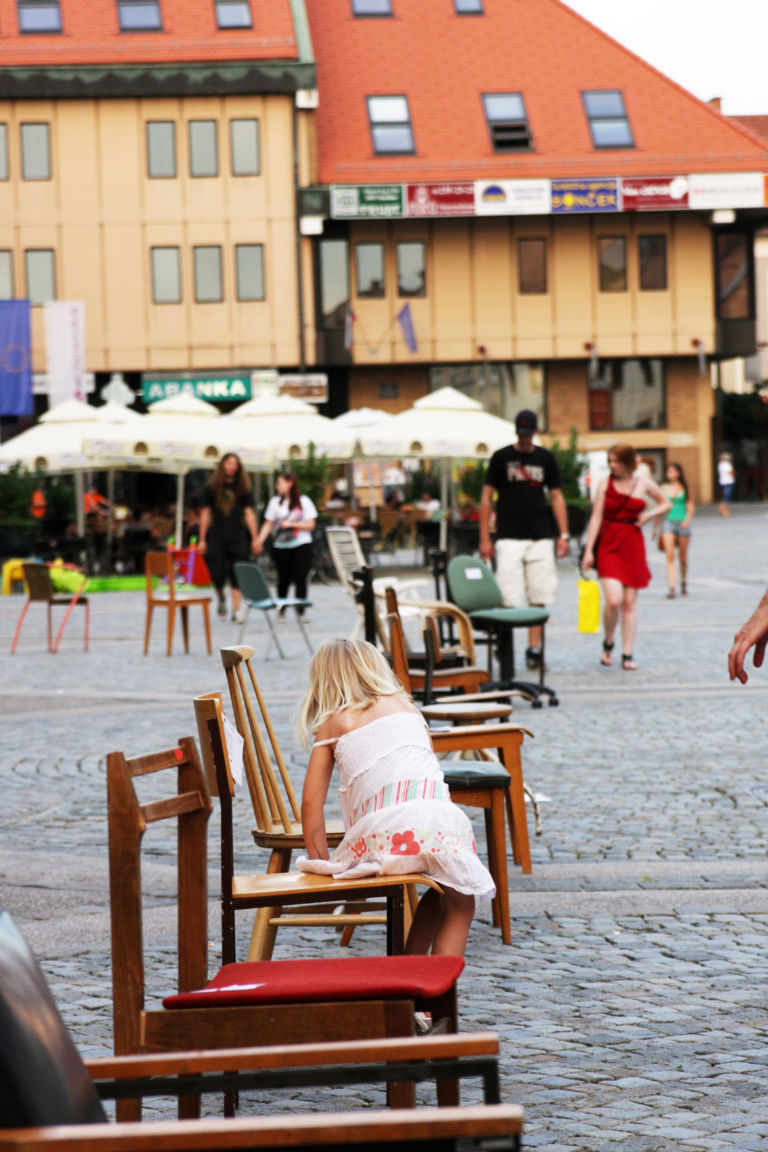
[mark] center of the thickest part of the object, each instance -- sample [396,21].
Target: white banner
[65,350]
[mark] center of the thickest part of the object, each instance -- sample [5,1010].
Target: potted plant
[572,465]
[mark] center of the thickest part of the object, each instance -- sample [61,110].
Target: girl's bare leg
[441,924]
[669,550]
[683,546]
[628,621]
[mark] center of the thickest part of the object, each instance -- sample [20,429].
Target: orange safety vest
[37,507]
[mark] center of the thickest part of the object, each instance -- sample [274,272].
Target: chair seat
[333,978]
[511,617]
[473,774]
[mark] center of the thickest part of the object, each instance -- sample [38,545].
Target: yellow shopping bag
[589,606]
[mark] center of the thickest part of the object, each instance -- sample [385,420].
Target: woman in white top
[291,518]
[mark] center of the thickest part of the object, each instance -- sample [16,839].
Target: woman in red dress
[618,514]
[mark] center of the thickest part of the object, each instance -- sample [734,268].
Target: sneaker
[533,659]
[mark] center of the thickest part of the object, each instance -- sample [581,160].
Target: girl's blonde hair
[344,674]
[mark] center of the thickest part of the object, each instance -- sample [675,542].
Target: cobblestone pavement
[631,1004]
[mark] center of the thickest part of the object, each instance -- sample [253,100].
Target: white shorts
[526,571]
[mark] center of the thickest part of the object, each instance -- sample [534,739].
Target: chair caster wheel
[554,702]
[536,704]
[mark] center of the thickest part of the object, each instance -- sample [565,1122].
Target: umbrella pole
[110,516]
[444,505]
[79,503]
[179,509]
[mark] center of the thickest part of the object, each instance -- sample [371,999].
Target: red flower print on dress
[358,848]
[404,844]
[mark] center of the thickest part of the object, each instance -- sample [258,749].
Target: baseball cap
[526,422]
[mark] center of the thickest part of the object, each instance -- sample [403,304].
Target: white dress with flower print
[397,809]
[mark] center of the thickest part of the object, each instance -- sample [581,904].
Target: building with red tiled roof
[567,229]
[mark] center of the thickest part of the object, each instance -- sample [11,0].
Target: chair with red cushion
[251,1003]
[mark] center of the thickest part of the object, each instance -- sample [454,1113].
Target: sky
[711,47]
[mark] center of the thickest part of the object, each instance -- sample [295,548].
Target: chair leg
[303,630]
[263,933]
[18,626]
[184,608]
[147,628]
[207,625]
[67,615]
[49,612]
[499,835]
[87,607]
[170,623]
[515,804]
[241,633]
[272,637]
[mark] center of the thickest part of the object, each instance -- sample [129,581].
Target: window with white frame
[39,16]
[244,147]
[41,275]
[233,14]
[209,283]
[390,120]
[6,274]
[35,152]
[203,148]
[166,275]
[249,271]
[412,268]
[161,149]
[139,15]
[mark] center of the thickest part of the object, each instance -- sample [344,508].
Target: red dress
[621,547]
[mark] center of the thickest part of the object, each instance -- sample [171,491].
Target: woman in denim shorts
[676,529]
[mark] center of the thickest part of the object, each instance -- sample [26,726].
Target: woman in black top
[228,529]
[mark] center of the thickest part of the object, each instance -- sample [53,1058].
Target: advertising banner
[512,197]
[726,190]
[367,201]
[644,194]
[441,199]
[570,197]
[206,386]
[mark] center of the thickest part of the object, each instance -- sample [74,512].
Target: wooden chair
[288,888]
[473,586]
[51,1098]
[462,677]
[288,1001]
[40,590]
[162,592]
[256,594]
[490,784]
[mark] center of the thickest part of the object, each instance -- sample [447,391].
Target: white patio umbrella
[444,425]
[285,426]
[357,419]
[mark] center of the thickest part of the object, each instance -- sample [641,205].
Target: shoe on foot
[683,589]
[671,594]
[222,608]
[238,617]
[628,663]
[533,659]
[606,659]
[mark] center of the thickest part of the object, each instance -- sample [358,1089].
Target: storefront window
[627,394]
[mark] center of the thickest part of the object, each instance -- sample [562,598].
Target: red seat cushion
[339,978]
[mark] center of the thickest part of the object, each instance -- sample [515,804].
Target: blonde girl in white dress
[396,807]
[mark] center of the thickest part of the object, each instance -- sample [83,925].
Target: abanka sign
[206,386]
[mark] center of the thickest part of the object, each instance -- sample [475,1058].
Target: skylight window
[39,16]
[507,122]
[468,7]
[390,124]
[233,14]
[607,118]
[139,15]
[372,7]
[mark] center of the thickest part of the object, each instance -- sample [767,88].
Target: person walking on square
[228,528]
[397,811]
[521,475]
[726,478]
[614,529]
[291,517]
[675,531]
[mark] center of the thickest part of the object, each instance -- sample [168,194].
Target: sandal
[628,663]
[606,659]
[671,594]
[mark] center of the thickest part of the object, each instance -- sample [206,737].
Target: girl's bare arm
[313,797]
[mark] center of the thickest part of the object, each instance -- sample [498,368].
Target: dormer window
[607,118]
[507,122]
[139,15]
[39,16]
[372,7]
[468,7]
[390,120]
[233,14]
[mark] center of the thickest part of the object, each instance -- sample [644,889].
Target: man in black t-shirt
[522,474]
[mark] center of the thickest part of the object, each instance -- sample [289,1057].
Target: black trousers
[293,565]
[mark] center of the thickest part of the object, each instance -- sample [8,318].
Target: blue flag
[406,325]
[15,359]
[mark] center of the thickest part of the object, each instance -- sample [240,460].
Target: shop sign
[640,194]
[222,386]
[726,190]
[441,199]
[573,196]
[512,197]
[367,201]
[311,386]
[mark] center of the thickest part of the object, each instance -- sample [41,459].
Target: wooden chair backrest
[187,802]
[274,800]
[397,651]
[389,520]
[38,581]
[158,566]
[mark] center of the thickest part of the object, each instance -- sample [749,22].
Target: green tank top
[678,511]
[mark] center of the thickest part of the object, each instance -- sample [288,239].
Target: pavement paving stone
[635,978]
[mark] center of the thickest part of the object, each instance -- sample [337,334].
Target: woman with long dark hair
[676,529]
[228,528]
[290,517]
[618,514]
